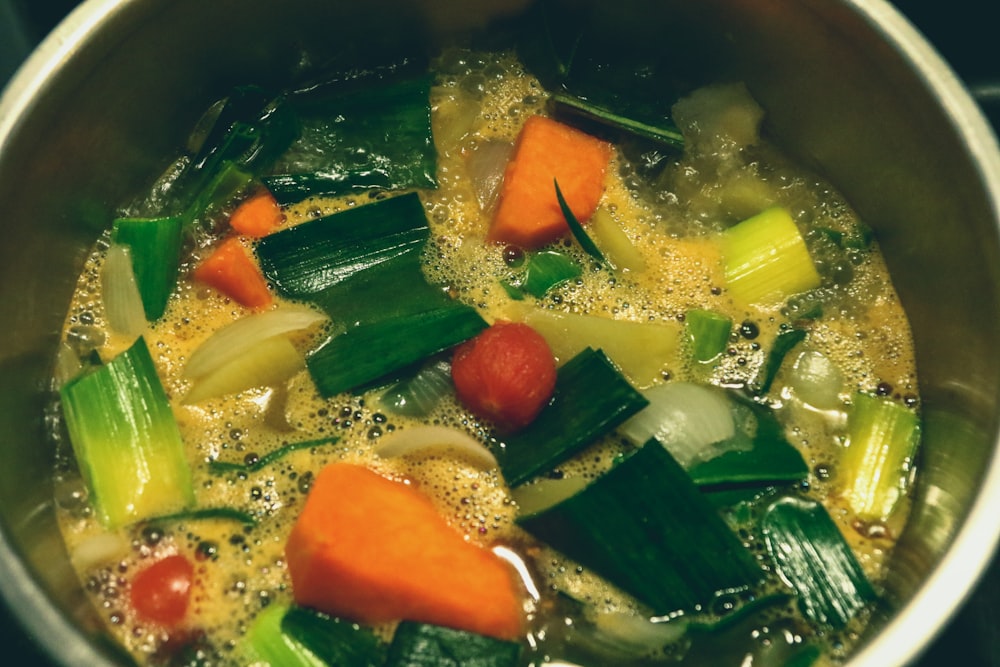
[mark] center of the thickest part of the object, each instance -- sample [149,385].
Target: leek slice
[126,441]
[207,514]
[259,463]
[436,646]
[646,528]
[812,556]
[298,637]
[122,301]
[882,438]
[420,393]
[591,398]
[708,332]
[783,343]
[615,243]
[542,272]
[267,644]
[579,233]
[155,247]
[766,259]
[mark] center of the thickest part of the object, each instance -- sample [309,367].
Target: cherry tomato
[506,374]
[161,592]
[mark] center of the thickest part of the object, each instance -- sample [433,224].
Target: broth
[672,213]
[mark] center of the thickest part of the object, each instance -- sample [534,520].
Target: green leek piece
[266,643]
[708,332]
[228,185]
[207,514]
[646,528]
[591,398]
[766,259]
[811,555]
[768,459]
[255,464]
[337,642]
[544,271]
[419,393]
[579,233]
[155,246]
[126,441]
[422,645]
[307,259]
[882,438]
[784,342]
[660,129]
[377,137]
[374,350]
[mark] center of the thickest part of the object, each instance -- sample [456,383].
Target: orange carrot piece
[528,213]
[231,271]
[375,550]
[258,216]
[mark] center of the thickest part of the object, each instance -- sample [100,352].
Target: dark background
[963,31]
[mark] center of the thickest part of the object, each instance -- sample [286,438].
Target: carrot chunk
[258,216]
[375,550]
[528,213]
[231,271]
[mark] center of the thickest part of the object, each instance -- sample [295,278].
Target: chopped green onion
[206,514]
[155,247]
[812,556]
[708,332]
[122,301]
[579,233]
[436,646]
[268,363]
[420,393]
[662,130]
[783,343]
[544,271]
[339,643]
[882,438]
[766,259]
[591,398]
[268,644]
[126,441]
[268,459]
[646,528]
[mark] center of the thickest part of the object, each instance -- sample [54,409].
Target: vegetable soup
[482,358]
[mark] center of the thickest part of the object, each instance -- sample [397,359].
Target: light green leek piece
[766,259]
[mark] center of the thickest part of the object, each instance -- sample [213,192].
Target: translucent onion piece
[269,363]
[816,380]
[543,494]
[98,550]
[634,634]
[122,301]
[68,364]
[235,340]
[486,165]
[686,418]
[423,438]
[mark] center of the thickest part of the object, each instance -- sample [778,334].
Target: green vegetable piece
[579,233]
[378,137]
[422,645]
[811,554]
[784,342]
[882,438]
[418,394]
[207,514]
[304,260]
[370,351]
[336,642]
[126,441]
[646,528]
[660,128]
[708,332]
[546,270]
[221,467]
[266,642]
[155,247]
[591,398]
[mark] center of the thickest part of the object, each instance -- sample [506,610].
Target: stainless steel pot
[849,86]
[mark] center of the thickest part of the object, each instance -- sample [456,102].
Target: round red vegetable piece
[161,592]
[506,374]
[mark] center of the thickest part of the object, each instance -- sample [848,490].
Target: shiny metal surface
[849,86]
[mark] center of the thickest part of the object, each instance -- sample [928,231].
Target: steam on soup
[459,356]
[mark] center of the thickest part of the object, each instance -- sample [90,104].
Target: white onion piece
[269,363]
[635,634]
[543,494]
[686,418]
[68,365]
[486,164]
[122,301]
[423,438]
[236,339]
[99,550]
[816,380]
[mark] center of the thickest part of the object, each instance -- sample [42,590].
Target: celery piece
[882,437]
[812,556]
[423,645]
[766,259]
[646,528]
[126,441]
[708,332]
[155,247]
[591,398]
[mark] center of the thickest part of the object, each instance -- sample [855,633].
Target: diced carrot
[231,271]
[528,213]
[258,216]
[375,550]
[507,374]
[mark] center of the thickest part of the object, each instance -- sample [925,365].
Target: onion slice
[122,301]
[237,339]
[426,438]
[816,380]
[545,493]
